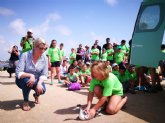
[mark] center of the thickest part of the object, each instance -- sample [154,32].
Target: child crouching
[107,88]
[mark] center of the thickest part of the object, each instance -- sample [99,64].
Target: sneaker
[60,82]
[51,83]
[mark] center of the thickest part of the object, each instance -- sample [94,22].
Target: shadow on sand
[147,106]
[70,110]
[7,83]
[13,105]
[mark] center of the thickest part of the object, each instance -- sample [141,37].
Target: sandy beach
[57,105]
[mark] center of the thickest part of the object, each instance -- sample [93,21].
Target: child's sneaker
[60,82]
[51,83]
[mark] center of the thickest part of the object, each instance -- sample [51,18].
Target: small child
[72,56]
[131,73]
[71,77]
[88,66]
[124,79]
[103,55]
[84,75]
[115,69]
[107,88]
[64,69]
[108,66]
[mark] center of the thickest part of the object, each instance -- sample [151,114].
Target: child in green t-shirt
[84,75]
[119,56]
[115,69]
[131,73]
[103,55]
[106,87]
[108,66]
[72,56]
[71,77]
[124,79]
[95,53]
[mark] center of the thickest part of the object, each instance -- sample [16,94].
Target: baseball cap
[114,64]
[119,47]
[30,30]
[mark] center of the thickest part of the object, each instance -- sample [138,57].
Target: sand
[57,105]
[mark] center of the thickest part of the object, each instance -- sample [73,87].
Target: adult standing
[27,41]
[31,72]
[14,57]
[80,53]
[105,46]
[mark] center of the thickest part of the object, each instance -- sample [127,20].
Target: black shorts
[55,64]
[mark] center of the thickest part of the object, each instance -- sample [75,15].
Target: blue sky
[68,21]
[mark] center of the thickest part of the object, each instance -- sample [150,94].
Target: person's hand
[39,89]
[91,113]
[87,109]
[31,81]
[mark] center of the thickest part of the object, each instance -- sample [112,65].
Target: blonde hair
[39,41]
[101,68]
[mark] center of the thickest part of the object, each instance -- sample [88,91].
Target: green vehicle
[148,35]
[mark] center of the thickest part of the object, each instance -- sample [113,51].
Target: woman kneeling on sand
[31,72]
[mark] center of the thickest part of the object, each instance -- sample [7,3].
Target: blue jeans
[22,84]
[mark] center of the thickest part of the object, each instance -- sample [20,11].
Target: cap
[30,30]
[131,66]
[88,63]
[114,64]
[119,47]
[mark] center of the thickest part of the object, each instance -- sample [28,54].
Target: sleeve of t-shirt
[92,85]
[49,52]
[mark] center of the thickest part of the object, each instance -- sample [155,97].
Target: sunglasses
[42,48]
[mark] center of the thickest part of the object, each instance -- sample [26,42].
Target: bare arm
[100,103]
[89,100]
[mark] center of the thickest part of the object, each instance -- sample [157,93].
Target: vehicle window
[149,18]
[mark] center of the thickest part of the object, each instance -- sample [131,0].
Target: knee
[111,110]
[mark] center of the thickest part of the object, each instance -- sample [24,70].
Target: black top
[14,57]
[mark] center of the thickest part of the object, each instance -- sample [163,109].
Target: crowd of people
[105,69]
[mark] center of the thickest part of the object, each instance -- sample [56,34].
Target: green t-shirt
[132,76]
[163,51]
[119,57]
[85,72]
[104,57]
[89,70]
[62,53]
[124,48]
[94,56]
[72,78]
[123,78]
[109,51]
[77,74]
[72,57]
[111,86]
[28,45]
[115,72]
[54,54]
